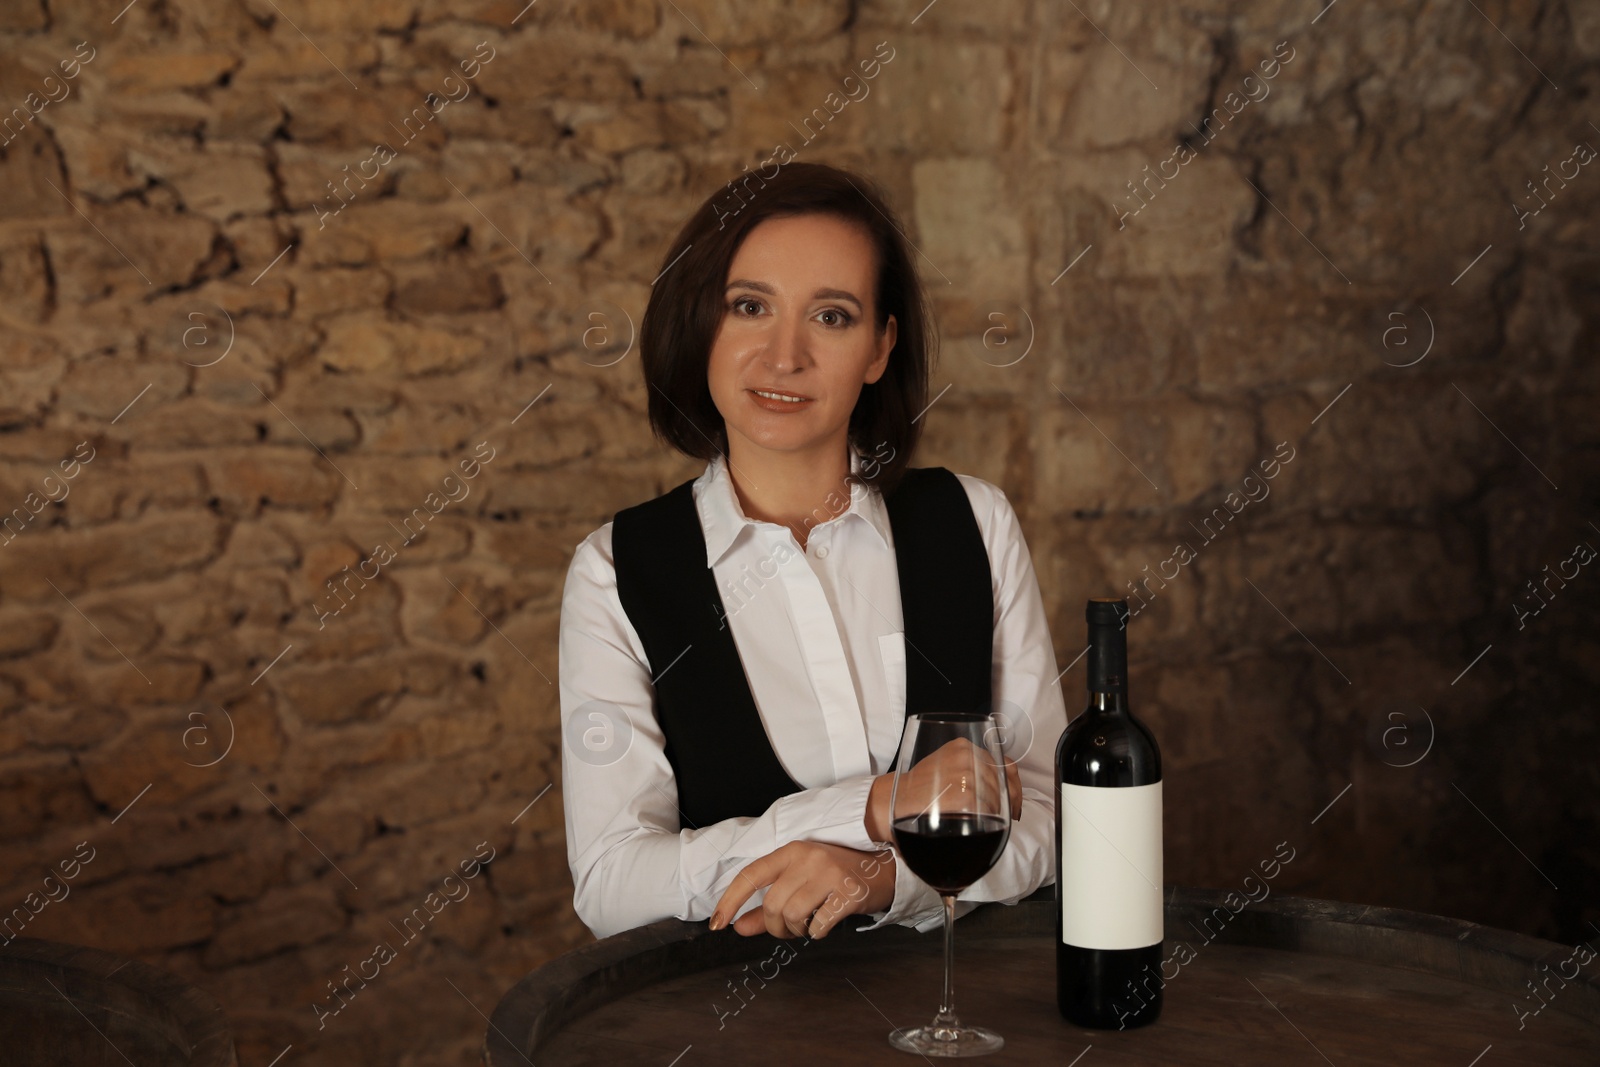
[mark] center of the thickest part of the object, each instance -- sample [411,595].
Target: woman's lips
[779,406]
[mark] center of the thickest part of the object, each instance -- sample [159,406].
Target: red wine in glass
[952,852]
[951,819]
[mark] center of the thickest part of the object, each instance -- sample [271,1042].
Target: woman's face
[798,319]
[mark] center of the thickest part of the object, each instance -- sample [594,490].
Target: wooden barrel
[1283,980]
[61,1005]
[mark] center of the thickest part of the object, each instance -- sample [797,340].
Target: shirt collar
[722,518]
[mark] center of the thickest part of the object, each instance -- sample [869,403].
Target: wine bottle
[1109,915]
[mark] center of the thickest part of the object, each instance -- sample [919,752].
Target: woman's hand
[811,887]
[949,765]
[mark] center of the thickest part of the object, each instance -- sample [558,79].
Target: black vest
[719,750]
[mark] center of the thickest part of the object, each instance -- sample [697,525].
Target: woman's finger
[797,914]
[807,905]
[750,923]
[824,916]
[781,911]
[751,877]
[769,917]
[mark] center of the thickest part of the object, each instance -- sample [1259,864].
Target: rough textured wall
[261,293]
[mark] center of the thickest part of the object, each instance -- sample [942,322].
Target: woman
[737,655]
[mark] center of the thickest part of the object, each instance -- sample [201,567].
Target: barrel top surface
[1280,981]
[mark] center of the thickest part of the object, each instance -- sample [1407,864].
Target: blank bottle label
[1111,866]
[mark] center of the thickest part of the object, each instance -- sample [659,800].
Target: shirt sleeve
[631,859]
[1026,691]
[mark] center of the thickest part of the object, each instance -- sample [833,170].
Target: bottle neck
[1108,669]
[1108,703]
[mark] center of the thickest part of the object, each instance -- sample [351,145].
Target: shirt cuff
[833,815]
[915,903]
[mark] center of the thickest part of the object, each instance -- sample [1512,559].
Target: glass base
[948,1041]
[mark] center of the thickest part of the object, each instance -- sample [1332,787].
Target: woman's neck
[800,490]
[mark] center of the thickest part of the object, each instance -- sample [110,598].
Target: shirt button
[822,551]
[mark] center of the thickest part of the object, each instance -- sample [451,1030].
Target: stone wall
[261,293]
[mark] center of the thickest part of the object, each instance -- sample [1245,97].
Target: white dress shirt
[822,641]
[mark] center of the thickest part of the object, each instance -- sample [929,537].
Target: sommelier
[737,656]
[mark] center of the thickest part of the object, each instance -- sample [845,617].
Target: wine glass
[951,818]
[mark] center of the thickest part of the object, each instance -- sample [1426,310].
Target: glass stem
[947,1007]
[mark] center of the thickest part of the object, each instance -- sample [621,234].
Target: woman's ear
[885,342]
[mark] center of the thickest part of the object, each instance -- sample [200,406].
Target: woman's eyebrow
[763,287]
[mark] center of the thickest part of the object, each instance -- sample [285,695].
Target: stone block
[727,24]
[435,612]
[285,917]
[24,632]
[566,490]
[38,789]
[1000,20]
[313,175]
[382,230]
[390,15]
[97,160]
[633,19]
[1386,444]
[25,17]
[1211,448]
[281,477]
[973,436]
[419,795]
[129,748]
[541,67]
[365,689]
[26,386]
[103,387]
[24,280]
[519,225]
[219,182]
[965,225]
[652,171]
[453,285]
[139,74]
[470,166]
[527,546]
[949,96]
[74,727]
[400,866]
[242,876]
[532,867]
[130,916]
[245,117]
[1335,580]
[1154,227]
[135,489]
[613,130]
[203,424]
[166,247]
[372,342]
[1136,559]
[446,731]
[336,752]
[1089,457]
[1099,97]
[104,557]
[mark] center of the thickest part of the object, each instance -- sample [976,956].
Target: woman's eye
[840,318]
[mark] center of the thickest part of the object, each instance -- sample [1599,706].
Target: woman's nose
[787,344]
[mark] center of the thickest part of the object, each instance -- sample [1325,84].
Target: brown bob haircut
[687,304]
